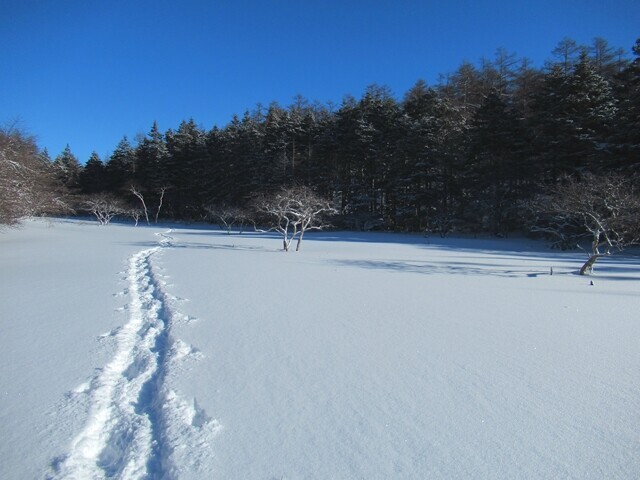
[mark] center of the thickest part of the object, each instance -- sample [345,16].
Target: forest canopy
[470,153]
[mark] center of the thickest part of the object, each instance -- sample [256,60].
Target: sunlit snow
[181,352]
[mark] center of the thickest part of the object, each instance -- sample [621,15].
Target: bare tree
[136,213]
[227,216]
[104,207]
[161,191]
[27,182]
[292,211]
[137,193]
[603,209]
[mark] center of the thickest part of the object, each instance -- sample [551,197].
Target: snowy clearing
[185,353]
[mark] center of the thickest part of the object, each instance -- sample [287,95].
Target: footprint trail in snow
[139,428]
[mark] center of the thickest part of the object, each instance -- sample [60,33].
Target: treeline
[463,155]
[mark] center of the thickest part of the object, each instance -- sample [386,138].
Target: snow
[185,353]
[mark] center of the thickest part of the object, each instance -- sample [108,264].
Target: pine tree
[93,177]
[187,156]
[311,126]
[566,53]
[626,133]
[151,154]
[45,157]
[573,117]
[67,169]
[325,171]
[420,189]
[495,175]
[526,82]
[607,61]
[591,110]
[465,89]
[505,67]
[121,166]
[346,155]
[367,134]
[279,144]
[232,174]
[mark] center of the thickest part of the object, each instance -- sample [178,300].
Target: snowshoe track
[138,428]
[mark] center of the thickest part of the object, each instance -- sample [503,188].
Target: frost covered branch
[604,209]
[227,216]
[27,184]
[294,210]
[104,207]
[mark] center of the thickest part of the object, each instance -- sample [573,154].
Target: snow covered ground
[187,353]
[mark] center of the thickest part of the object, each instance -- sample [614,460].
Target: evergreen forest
[468,154]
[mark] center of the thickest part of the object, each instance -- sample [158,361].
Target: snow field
[396,358]
[136,423]
[362,356]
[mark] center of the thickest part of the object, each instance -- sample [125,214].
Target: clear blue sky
[88,72]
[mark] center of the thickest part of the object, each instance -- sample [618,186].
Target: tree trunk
[587,268]
[144,205]
[299,240]
[162,190]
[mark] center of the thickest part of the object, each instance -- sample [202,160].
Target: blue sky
[85,73]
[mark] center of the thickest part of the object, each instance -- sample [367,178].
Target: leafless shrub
[136,214]
[227,216]
[604,209]
[105,207]
[292,211]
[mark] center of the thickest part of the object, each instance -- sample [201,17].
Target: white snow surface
[180,352]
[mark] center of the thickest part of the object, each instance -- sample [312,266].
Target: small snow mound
[200,418]
[82,388]
[190,432]
[190,414]
[185,319]
[181,350]
[165,239]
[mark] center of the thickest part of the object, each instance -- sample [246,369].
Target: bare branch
[228,216]
[292,211]
[162,190]
[604,208]
[137,193]
[27,183]
[104,207]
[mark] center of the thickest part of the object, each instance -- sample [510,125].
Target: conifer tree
[420,158]
[607,61]
[279,144]
[626,134]
[495,173]
[67,169]
[573,116]
[591,111]
[121,166]
[93,176]
[187,154]
[566,53]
